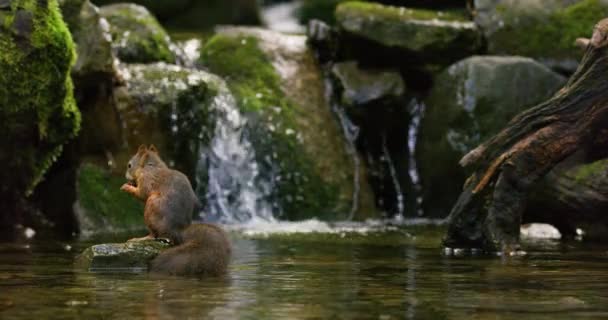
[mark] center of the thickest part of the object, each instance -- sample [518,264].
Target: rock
[91,33]
[471,101]
[38,114]
[432,36]
[169,106]
[573,196]
[101,207]
[324,9]
[544,30]
[300,148]
[132,256]
[137,35]
[360,87]
[541,231]
[200,14]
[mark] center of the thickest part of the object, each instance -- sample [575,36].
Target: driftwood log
[489,211]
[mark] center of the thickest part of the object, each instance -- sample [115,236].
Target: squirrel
[202,249]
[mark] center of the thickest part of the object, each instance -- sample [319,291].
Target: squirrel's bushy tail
[205,250]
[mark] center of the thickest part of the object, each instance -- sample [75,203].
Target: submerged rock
[471,101]
[544,30]
[360,87]
[437,37]
[38,113]
[299,146]
[132,256]
[137,37]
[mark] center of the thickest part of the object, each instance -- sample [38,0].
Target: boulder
[429,36]
[132,256]
[544,30]
[471,101]
[137,37]
[169,106]
[39,114]
[574,198]
[300,149]
[91,33]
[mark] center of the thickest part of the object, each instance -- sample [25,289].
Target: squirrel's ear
[152,148]
[141,149]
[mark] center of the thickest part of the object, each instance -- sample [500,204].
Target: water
[235,191]
[417,113]
[395,273]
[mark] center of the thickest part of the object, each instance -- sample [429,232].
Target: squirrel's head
[145,157]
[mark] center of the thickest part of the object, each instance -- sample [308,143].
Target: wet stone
[131,256]
[362,86]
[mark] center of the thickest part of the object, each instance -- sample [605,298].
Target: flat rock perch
[120,257]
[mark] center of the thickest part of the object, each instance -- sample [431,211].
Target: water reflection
[379,276]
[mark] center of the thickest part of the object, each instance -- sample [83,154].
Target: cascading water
[235,192]
[417,112]
[351,132]
[395,179]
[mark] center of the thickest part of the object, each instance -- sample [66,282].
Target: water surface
[397,273]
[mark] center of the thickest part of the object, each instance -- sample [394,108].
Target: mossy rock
[137,36]
[435,36]
[169,106]
[101,207]
[573,195]
[298,143]
[38,113]
[93,40]
[470,102]
[544,30]
[133,256]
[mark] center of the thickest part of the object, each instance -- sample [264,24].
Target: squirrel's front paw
[126,187]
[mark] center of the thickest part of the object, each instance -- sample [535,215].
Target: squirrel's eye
[129,166]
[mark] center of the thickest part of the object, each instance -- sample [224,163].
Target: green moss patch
[137,36]
[104,207]
[547,35]
[39,113]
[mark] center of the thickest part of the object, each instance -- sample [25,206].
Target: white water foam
[257,227]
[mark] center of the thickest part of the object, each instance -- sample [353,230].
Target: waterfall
[235,192]
[417,112]
[351,133]
[395,179]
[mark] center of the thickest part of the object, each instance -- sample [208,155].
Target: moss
[137,35]
[301,191]
[584,172]
[553,35]
[105,206]
[39,111]
[444,37]
[398,14]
